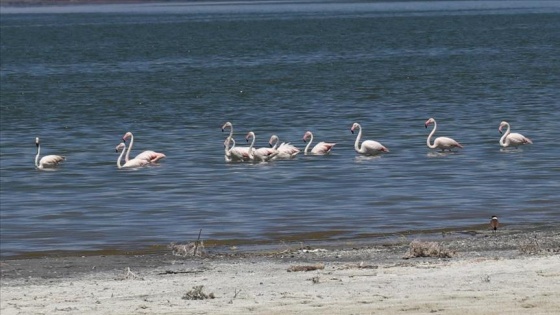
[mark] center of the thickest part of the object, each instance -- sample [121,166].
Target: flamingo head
[307,135]
[354,126]
[272,139]
[428,122]
[249,136]
[120,147]
[126,136]
[502,125]
[227,124]
[37,141]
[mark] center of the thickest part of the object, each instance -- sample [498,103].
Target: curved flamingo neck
[127,157]
[357,143]
[308,144]
[119,159]
[431,146]
[252,135]
[230,125]
[37,156]
[504,137]
[277,141]
[228,142]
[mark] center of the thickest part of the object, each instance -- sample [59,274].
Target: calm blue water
[174,73]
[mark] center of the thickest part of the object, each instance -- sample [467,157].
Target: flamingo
[236,153]
[232,154]
[260,154]
[150,156]
[368,147]
[440,142]
[286,151]
[512,139]
[47,161]
[320,148]
[133,163]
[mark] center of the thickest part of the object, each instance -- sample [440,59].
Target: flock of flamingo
[277,150]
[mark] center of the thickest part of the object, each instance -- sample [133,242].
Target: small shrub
[197,294]
[427,249]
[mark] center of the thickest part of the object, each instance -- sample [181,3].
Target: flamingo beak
[352,131]
[426,125]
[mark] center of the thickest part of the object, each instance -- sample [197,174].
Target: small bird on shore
[494,223]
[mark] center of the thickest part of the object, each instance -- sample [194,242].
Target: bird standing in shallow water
[47,161]
[441,143]
[494,223]
[513,139]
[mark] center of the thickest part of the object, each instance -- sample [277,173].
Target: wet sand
[515,272]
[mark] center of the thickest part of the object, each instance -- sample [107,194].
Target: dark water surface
[174,73]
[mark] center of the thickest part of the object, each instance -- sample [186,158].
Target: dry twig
[306,268]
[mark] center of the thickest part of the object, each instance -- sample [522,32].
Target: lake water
[79,77]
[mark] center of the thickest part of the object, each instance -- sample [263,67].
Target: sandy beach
[515,272]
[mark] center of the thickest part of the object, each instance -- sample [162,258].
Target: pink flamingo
[133,163]
[236,153]
[440,142]
[320,148]
[47,161]
[260,154]
[150,156]
[512,139]
[368,147]
[286,151]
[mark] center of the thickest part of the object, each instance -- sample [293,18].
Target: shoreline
[514,272]
[315,239]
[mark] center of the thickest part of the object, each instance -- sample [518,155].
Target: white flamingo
[260,154]
[512,139]
[149,155]
[368,147]
[440,142]
[47,161]
[285,150]
[236,153]
[230,155]
[133,163]
[320,148]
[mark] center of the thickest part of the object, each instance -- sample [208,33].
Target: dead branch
[306,268]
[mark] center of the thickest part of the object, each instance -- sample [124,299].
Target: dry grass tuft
[427,249]
[197,294]
[306,268]
[189,249]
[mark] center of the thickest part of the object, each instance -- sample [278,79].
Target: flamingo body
[513,139]
[285,150]
[132,163]
[368,147]
[148,155]
[442,143]
[235,154]
[238,154]
[320,148]
[260,154]
[47,161]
